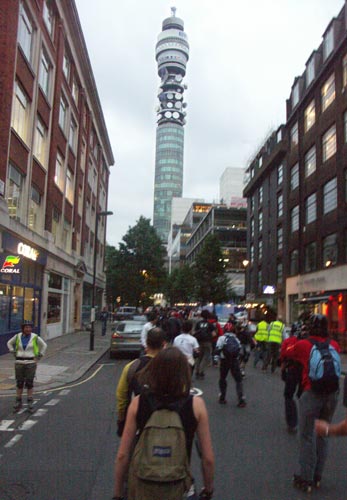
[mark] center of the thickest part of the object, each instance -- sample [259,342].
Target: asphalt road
[66,449]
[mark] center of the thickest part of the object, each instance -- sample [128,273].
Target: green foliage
[135,271]
[180,285]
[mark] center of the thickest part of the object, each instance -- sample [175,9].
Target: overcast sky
[244,57]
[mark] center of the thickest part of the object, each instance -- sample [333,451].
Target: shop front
[21,282]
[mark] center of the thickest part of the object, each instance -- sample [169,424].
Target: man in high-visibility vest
[274,343]
[27,348]
[261,337]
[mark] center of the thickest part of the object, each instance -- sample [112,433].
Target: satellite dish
[168,114]
[175,115]
[185,104]
[160,116]
[178,78]
[170,105]
[178,105]
[169,95]
[178,96]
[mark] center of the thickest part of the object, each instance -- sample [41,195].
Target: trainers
[30,405]
[317,481]
[242,403]
[18,405]
[302,484]
[222,401]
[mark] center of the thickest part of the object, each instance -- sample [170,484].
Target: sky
[244,57]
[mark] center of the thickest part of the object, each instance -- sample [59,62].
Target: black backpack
[324,367]
[203,331]
[231,347]
[134,386]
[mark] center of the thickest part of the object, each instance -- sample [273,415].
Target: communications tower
[172,54]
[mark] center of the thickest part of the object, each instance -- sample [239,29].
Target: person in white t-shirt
[187,343]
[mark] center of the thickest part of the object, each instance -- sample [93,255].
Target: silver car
[126,337]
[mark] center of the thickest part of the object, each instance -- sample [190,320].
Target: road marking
[13,441]
[52,402]
[40,412]
[64,392]
[194,391]
[5,424]
[27,424]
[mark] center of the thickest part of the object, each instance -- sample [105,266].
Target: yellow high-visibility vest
[275,332]
[262,332]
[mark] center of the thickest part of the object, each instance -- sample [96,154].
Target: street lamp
[92,312]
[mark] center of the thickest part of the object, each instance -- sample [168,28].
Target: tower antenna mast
[173,11]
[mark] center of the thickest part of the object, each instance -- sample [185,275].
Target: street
[66,449]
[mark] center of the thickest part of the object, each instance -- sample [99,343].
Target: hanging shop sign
[16,246]
[10,264]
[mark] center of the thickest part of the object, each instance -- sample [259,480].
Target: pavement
[67,359]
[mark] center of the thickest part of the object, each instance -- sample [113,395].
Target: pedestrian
[291,375]
[318,400]
[187,343]
[261,337]
[168,379]
[128,384]
[204,334]
[151,323]
[104,318]
[27,348]
[246,339]
[228,347]
[274,344]
[174,326]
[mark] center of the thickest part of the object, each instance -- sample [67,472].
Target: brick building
[55,158]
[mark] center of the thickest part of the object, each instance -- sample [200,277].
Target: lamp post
[92,312]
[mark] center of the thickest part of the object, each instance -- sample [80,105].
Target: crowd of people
[180,345]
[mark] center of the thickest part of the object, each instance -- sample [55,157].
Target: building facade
[55,156]
[231,184]
[301,180]
[172,53]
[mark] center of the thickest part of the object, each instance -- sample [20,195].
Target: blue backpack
[231,347]
[324,367]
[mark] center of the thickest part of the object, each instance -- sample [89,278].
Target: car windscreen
[130,327]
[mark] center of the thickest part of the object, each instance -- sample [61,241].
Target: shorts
[25,374]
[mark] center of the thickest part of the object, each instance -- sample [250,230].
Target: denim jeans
[314,449]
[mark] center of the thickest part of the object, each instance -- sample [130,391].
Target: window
[260,280]
[35,211]
[279,272]
[280,174]
[294,177]
[309,116]
[310,72]
[69,187]
[260,249]
[251,203]
[311,257]
[328,43]
[67,234]
[311,208]
[279,238]
[252,253]
[40,142]
[45,73]
[345,126]
[260,195]
[75,90]
[344,71]
[260,162]
[14,192]
[294,218]
[25,33]
[66,66]
[329,143]
[330,250]
[310,161]
[73,135]
[330,196]
[59,172]
[328,92]
[295,95]
[280,205]
[294,135]
[260,221]
[294,262]
[80,200]
[63,113]
[48,16]
[55,224]
[20,113]
[252,227]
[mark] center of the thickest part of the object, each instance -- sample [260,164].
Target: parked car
[126,337]
[125,312]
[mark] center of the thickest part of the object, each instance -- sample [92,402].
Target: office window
[344,71]
[55,224]
[73,135]
[328,92]
[260,280]
[328,43]
[294,219]
[35,210]
[260,221]
[14,192]
[67,236]
[279,238]
[311,208]
[260,249]
[311,257]
[75,90]
[310,72]
[20,113]
[260,162]
[251,203]
[59,177]
[329,143]
[310,161]
[295,95]
[252,227]
[294,177]
[280,174]
[330,196]
[41,142]
[69,186]
[260,195]
[25,33]
[45,74]
[48,16]
[294,262]
[66,66]
[80,200]
[280,205]
[252,253]
[279,272]
[309,116]
[63,109]
[294,135]
[330,250]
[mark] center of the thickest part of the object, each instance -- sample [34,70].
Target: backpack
[231,347]
[134,386]
[159,468]
[203,331]
[324,367]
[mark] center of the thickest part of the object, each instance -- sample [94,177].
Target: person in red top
[313,405]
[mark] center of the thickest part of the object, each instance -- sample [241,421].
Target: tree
[180,285]
[210,277]
[136,271]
